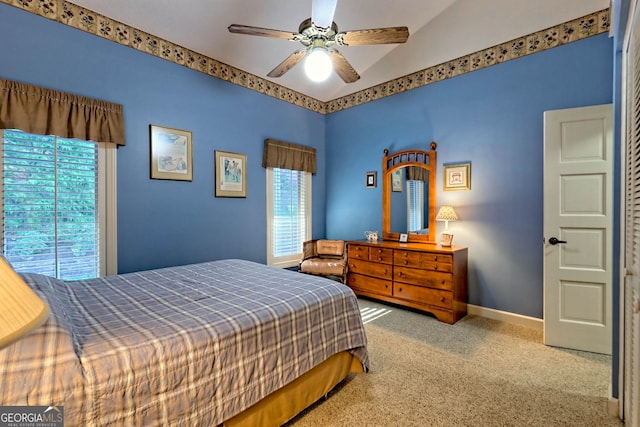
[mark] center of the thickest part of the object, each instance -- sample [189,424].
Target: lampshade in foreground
[446,214]
[21,309]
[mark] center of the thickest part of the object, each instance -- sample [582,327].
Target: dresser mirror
[409,195]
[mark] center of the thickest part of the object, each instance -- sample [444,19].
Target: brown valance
[415,173]
[44,111]
[284,155]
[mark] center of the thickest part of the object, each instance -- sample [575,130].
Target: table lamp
[21,309]
[446,214]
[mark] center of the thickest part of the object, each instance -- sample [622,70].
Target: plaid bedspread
[189,345]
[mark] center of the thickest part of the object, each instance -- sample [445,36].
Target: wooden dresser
[423,276]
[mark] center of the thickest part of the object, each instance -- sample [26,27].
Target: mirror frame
[392,162]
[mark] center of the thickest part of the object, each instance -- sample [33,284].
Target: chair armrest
[309,250]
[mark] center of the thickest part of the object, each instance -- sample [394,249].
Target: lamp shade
[446,213]
[21,309]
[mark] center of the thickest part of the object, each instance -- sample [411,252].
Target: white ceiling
[440,30]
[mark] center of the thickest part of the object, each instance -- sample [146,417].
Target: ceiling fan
[319,34]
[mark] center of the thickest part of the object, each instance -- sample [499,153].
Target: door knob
[555,241]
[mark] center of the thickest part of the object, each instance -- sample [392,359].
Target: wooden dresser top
[425,247]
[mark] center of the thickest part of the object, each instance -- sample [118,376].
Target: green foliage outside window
[50,205]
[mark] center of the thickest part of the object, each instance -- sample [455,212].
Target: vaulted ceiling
[440,31]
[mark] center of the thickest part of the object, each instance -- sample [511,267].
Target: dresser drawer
[381,255]
[358,252]
[358,282]
[437,266]
[428,261]
[422,295]
[419,277]
[431,258]
[406,258]
[382,271]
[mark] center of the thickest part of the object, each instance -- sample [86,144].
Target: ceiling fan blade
[264,32]
[322,12]
[342,67]
[288,63]
[373,36]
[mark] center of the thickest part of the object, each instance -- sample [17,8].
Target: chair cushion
[323,266]
[330,247]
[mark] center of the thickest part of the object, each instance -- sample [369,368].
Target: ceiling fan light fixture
[317,64]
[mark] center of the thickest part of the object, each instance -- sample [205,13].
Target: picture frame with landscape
[171,153]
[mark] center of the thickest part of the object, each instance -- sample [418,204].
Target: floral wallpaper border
[86,20]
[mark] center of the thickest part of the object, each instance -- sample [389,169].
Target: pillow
[330,247]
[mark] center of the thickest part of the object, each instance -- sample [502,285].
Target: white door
[578,225]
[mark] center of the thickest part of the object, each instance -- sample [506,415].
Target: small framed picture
[371,179]
[404,237]
[231,174]
[457,177]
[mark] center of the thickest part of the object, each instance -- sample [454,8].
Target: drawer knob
[406,261]
[441,299]
[436,259]
[442,282]
[435,267]
[379,258]
[400,274]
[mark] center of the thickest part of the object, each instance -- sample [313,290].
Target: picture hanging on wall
[231,174]
[371,179]
[457,177]
[171,154]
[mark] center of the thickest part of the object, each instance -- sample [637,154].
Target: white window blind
[288,215]
[50,204]
[415,205]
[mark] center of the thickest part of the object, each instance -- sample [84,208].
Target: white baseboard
[613,406]
[505,316]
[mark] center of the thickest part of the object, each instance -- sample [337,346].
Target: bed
[227,342]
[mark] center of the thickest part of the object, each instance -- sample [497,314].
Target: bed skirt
[284,404]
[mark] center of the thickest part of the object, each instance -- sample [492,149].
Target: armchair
[325,258]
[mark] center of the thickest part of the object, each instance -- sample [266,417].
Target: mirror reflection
[409,201]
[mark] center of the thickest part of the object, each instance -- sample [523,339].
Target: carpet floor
[478,372]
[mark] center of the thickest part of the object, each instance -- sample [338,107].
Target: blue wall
[492,118]
[160,222]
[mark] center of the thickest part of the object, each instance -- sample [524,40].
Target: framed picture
[231,174]
[396,180]
[457,177]
[371,179]
[171,153]
[404,237]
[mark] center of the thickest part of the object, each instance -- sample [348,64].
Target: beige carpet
[478,372]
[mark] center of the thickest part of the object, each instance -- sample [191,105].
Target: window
[288,215]
[58,205]
[415,205]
